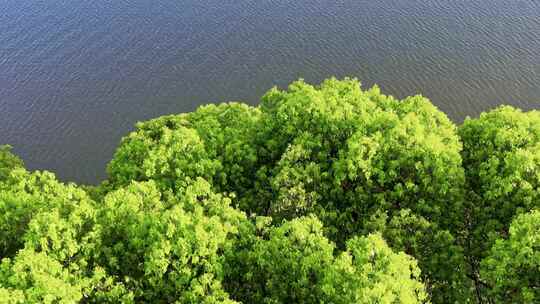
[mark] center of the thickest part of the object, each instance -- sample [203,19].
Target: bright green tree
[501,157]
[343,186]
[214,142]
[37,278]
[8,161]
[295,263]
[138,244]
[512,268]
[352,152]
[25,194]
[46,239]
[334,150]
[166,249]
[347,154]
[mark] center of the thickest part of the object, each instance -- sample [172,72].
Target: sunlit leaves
[8,161]
[501,157]
[295,263]
[512,268]
[23,195]
[342,187]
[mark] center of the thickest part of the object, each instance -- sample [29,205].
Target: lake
[75,76]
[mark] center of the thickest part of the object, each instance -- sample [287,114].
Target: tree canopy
[296,263]
[8,161]
[512,267]
[321,194]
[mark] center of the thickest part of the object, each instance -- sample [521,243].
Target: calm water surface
[76,75]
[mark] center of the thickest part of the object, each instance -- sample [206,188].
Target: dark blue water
[76,75]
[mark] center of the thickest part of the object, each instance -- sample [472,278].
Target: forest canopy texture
[321,194]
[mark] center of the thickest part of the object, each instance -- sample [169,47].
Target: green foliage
[37,278]
[172,158]
[134,242]
[47,240]
[8,161]
[512,268]
[22,196]
[334,151]
[437,250]
[295,263]
[338,147]
[213,143]
[353,197]
[165,249]
[501,157]
[229,135]
[345,154]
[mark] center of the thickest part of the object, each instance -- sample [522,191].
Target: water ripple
[76,75]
